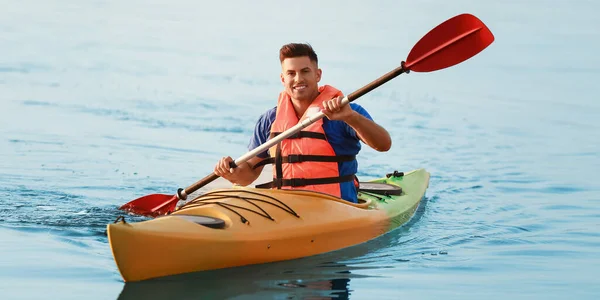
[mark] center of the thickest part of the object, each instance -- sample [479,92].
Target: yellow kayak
[243,226]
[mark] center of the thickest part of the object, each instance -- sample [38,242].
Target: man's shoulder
[269,115]
[266,120]
[270,112]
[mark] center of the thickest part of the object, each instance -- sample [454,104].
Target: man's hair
[297,50]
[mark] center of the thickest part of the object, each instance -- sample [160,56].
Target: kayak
[243,226]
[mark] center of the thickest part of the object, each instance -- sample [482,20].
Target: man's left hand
[335,111]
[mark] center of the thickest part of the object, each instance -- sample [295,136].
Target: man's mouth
[300,87]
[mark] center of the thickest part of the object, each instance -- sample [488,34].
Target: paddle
[448,44]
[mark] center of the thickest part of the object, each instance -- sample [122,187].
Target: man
[322,156]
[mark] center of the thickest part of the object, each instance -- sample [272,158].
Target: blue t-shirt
[341,136]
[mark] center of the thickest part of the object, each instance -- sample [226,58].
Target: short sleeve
[363,112]
[262,130]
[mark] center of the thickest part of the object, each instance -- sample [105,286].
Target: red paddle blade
[151,205]
[448,44]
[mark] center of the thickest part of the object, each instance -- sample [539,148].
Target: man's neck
[300,106]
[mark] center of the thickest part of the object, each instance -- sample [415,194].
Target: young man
[322,156]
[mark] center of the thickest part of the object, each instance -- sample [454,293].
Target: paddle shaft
[183,193]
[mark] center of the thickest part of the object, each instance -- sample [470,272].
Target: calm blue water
[105,101]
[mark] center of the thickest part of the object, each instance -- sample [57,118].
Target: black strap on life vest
[278,160]
[278,165]
[297,182]
[302,134]
[298,158]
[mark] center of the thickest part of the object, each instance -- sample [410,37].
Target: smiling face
[300,77]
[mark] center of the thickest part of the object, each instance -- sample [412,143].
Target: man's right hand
[243,175]
[224,170]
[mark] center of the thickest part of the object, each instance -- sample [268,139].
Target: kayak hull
[258,226]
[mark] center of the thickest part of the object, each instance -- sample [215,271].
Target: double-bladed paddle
[448,44]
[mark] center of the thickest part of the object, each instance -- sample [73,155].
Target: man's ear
[319,73]
[281,77]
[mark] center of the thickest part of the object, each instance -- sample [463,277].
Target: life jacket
[305,160]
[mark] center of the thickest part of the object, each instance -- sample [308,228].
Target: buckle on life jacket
[294,158]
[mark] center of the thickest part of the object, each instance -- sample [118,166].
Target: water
[106,101]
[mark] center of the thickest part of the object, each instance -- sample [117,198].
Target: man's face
[300,77]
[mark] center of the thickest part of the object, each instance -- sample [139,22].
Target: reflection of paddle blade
[450,43]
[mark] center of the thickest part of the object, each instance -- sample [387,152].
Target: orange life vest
[305,160]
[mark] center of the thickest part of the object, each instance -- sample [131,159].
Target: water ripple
[91,119]
[24,68]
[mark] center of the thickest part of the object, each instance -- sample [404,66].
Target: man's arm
[368,131]
[243,175]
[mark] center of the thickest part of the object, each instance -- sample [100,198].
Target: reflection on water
[100,106]
[286,280]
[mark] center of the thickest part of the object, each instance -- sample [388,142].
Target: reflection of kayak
[315,277]
[242,226]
